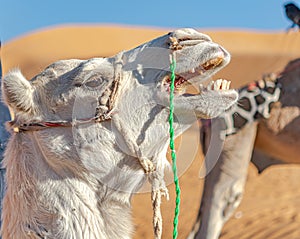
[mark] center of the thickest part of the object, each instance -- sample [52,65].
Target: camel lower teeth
[219,85]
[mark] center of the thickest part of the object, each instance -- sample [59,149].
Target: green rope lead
[172,147]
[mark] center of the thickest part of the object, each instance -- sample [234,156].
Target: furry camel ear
[17,92]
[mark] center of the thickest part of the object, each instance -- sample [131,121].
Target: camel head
[197,59]
[92,119]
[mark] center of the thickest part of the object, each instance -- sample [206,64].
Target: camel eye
[93,83]
[77,84]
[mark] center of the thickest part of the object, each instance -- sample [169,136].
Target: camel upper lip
[182,42]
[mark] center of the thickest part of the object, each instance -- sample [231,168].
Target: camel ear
[17,92]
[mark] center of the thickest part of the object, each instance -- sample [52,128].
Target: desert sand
[272,199]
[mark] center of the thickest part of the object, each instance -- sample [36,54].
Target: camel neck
[76,202]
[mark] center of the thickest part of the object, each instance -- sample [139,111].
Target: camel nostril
[190,34]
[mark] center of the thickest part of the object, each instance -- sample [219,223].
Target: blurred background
[21,17]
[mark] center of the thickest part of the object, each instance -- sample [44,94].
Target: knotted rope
[158,190]
[155,177]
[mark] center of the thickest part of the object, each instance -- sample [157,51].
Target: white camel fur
[85,132]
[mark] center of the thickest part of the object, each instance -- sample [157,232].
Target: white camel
[88,133]
[278,126]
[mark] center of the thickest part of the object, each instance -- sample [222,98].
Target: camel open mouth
[182,80]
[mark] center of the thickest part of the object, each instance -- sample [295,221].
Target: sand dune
[272,200]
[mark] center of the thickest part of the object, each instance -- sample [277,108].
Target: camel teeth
[218,85]
[200,72]
[224,85]
[211,85]
[192,70]
[201,87]
[228,85]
